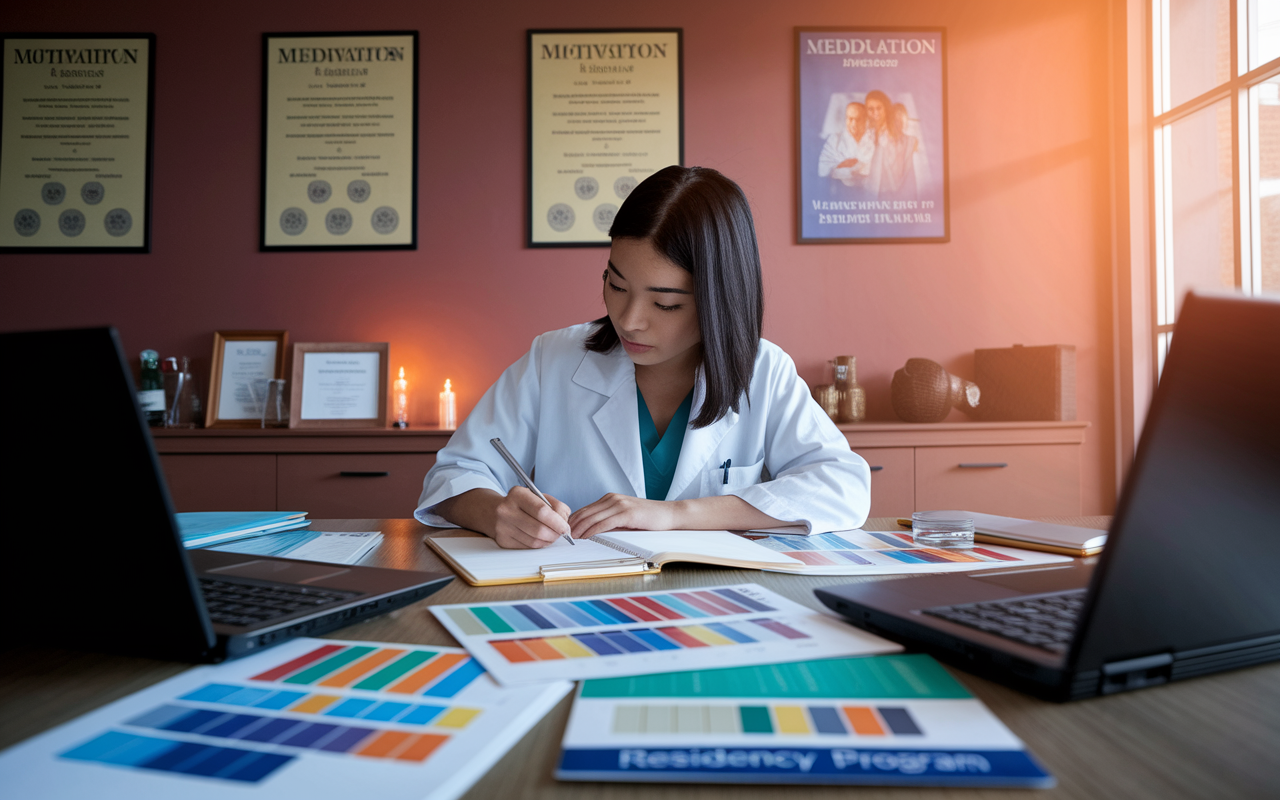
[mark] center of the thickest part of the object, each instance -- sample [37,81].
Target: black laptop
[1189,582]
[92,558]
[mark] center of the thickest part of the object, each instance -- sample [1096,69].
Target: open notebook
[480,561]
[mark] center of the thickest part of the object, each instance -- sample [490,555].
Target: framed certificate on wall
[339,385]
[75,142]
[339,141]
[871,135]
[606,111]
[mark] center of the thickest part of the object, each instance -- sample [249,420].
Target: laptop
[1188,582]
[91,554]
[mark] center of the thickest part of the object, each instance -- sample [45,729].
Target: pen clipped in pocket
[728,477]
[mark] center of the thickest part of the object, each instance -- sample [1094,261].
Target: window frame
[1242,92]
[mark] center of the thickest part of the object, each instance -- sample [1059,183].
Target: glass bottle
[151,389]
[851,399]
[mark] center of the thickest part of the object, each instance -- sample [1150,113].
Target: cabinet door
[222,482]
[352,485]
[893,490]
[1040,480]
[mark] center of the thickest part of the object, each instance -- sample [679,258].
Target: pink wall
[1028,261]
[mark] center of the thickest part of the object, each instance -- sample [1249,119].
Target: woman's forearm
[717,513]
[475,510]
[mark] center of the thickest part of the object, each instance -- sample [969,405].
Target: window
[1216,151]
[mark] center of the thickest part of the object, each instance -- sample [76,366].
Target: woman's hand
[614,511]
[524,522]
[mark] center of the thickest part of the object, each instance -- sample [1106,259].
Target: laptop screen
[1195,545]
[92,555]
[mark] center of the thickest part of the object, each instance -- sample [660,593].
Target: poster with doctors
[871,135]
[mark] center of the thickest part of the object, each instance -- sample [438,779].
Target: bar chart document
[312,718]
[635,634]
[883,720]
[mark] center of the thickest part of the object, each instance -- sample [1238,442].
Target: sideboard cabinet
[1017,469]
[331,474]
[1021,469]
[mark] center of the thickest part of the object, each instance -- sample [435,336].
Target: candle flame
[402,373]
[447,384]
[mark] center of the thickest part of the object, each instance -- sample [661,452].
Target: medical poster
[871,135]
[75,143]
[339,161]
[605,112]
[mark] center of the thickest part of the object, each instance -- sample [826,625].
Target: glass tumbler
[946,529]
[275,411]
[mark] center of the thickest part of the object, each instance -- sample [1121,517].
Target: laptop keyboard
[251,604]
[1045,621]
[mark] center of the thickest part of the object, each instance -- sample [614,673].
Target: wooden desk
[1209,737]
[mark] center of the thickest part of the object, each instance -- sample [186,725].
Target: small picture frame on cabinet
[243,362]
[339,385]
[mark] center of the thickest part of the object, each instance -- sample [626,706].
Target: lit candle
[401,402]
[448,407]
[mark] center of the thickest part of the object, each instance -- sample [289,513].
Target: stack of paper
[720,684]
[330,547]
[203,528]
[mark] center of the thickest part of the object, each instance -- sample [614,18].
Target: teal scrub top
[660,454]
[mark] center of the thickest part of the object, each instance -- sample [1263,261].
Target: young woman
[669,413]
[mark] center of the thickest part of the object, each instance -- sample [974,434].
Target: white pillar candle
[448,407]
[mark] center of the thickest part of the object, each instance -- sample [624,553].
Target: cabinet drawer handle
[354,474]
[985,465]
[876,469]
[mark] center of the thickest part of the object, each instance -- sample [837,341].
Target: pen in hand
[523,476]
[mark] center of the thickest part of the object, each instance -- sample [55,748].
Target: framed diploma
[606,111]
[243,362]
[75,142]
[871,140]
[340,141]
[339,385]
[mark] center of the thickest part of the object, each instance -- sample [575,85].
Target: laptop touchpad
[282,571]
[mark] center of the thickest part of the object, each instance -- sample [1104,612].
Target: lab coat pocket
[721,480]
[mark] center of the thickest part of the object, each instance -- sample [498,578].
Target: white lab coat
[570,418]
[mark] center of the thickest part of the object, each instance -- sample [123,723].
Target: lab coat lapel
[699,443]
[613,375]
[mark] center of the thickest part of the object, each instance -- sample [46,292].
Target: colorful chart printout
[312,718]
[891,719]
[635,634]
[862,552]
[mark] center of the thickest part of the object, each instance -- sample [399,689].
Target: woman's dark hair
[700,221]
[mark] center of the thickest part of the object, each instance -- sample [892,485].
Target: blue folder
[201,528]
